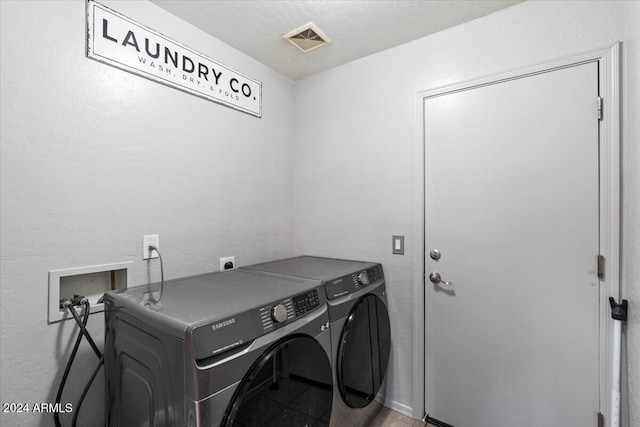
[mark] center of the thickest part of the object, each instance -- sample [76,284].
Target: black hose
[161,266]
[74,313]
[76,411]
[150,295]
[56,416]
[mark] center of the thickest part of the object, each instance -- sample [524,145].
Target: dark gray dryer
[221,349]
[360,329]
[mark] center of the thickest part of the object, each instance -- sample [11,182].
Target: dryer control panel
[354,282]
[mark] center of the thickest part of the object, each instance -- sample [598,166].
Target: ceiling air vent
[307,37]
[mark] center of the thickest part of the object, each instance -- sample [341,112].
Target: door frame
[609,209]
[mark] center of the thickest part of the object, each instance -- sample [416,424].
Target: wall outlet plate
[225,260]
[150,239]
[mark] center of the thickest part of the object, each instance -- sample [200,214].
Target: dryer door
[363,352]
[289,385]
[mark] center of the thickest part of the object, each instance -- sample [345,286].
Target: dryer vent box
[91,282]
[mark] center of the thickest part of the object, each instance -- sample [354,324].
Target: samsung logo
[335,282]
[223,324]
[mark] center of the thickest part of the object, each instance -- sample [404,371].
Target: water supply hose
[82,324]
[63,381]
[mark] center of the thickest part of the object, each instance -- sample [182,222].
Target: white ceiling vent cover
[307,37]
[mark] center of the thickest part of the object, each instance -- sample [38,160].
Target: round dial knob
[363,278]
[279,313]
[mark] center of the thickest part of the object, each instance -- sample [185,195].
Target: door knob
[437,279]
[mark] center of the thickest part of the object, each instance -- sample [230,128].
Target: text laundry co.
[123,43]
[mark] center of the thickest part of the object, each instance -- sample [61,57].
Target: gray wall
[357,148]
[94,157]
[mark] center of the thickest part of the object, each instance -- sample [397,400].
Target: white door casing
[520,323]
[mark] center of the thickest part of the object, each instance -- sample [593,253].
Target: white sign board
[123,43]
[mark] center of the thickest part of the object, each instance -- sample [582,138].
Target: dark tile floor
[291,404]
[294,403]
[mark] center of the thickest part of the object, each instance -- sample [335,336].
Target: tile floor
[297,403]
[389,418]
[292,403]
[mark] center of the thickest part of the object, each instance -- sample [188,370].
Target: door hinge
[600,267]
[600,419]
[599,108]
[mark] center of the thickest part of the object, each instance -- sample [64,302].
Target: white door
[511,204]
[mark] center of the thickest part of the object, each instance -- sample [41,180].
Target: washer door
[363,352]
[289,385]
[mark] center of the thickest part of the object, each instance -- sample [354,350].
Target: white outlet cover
[225,260]
[150,239]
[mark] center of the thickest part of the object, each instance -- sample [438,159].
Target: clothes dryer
[360,330]
[223,349]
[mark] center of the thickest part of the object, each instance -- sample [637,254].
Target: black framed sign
[116,40]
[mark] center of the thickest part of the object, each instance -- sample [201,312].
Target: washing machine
[223,349]
[360,330]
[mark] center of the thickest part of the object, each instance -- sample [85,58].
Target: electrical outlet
[147,240]
[227,263]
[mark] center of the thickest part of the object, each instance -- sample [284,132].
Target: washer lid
[194,300]
[310,267]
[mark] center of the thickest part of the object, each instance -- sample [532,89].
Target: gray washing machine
[360,330]
[223,349]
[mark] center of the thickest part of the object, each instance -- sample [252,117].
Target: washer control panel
[279,313]
[276,314]
[306,302]
[212,339]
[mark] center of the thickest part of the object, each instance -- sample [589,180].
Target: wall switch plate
[224,263]
[398,245]
[150,239]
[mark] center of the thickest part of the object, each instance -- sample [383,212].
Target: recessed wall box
[91,282]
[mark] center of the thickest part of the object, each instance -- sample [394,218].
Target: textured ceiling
[356,28]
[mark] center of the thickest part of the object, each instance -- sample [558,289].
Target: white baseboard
[399,407]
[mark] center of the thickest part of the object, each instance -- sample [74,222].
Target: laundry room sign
[116,40]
